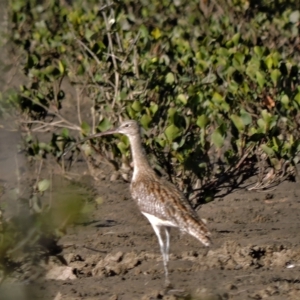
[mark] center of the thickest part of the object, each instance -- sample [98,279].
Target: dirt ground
[115,254]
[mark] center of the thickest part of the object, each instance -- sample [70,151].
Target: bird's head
[130,128]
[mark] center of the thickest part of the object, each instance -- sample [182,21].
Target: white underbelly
[157,221]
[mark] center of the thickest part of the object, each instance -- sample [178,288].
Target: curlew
[158,200]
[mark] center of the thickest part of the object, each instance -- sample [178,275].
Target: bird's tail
[199,230]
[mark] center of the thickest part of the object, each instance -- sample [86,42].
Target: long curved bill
[111,131]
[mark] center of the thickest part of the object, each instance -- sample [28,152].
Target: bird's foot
[168,284]
[176,292]
[170,290]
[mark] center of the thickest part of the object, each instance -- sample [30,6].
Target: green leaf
[172,132]
[276,163]
[297,98]
[46,147]
[217,97]
[61,67]
[236,38]
[266,115]
[251,70]
[269,62]
[123,138]
[88,33]
[172,111]
[246,117]
[269,151]
[131,112]
[262,125]
[104,125]
[49,70]
[123,94]
[182,98]
[170,78]
[156,33]
[225,106]
[239,58]
[217,138]
[145,121]
[275,74]
[43,185]
[160,141]
[285,100]
[238,122]
[153,107]
[187,121]
[229,44]
[122,147]
[295,16]
[143,31]
[202,121]
[137,106]
[276,143]
[260,79]
[65,133]
[259,51]
[85,128]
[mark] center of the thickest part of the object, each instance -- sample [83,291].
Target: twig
[44,208]
[111,47]
[266,182]
[93,116]
[86,48]
[105,6]
[78,95]
[56,89]
[93,249]
[18,179]
[52,124]
[42,122]
[250,148]
[136,65]
[111,55]
[133,43]
[39,173]
[75,127]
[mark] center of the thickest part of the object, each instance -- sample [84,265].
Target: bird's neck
[141,165]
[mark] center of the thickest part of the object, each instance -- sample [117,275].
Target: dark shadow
[107,223]
[272,7]
[224,185]
[100,223]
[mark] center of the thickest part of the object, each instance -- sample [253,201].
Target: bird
[160,201]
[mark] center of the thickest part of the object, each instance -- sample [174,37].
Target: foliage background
[215,84]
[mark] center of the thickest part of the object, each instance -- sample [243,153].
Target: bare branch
[84,46]
[111,47]
[52,124]
[75,127]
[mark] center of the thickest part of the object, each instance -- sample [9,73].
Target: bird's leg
[167,248]
[167,231]
[163,249]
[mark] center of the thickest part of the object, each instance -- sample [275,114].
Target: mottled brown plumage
[159,200]
[162,199]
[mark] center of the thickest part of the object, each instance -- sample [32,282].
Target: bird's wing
[163,200]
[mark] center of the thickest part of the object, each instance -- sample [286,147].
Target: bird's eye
[127,125]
